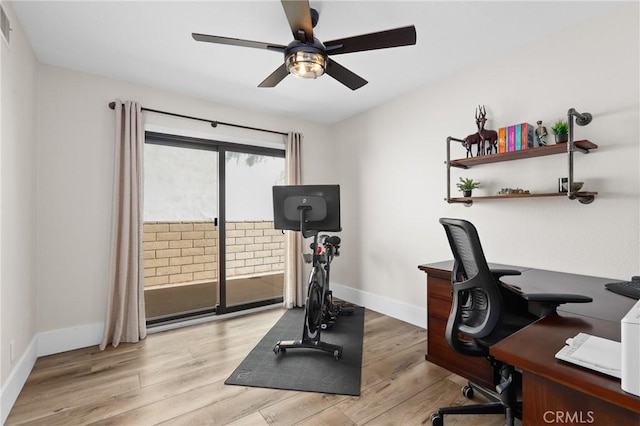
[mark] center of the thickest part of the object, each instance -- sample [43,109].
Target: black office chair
[483,313]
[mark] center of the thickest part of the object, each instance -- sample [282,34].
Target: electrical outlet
[12,352]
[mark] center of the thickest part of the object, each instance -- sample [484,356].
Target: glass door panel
[180,234]
[254,259]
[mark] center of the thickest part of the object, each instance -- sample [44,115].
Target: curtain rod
[214,123]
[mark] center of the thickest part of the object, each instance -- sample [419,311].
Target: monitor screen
[320,203]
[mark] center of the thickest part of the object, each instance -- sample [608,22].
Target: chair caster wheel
[467,391]
[436,419]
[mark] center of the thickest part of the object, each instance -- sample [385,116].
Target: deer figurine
[481,136]
[490,136]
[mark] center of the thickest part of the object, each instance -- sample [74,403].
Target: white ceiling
[149,43]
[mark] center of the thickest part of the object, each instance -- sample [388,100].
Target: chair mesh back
[465,251]
[479,303]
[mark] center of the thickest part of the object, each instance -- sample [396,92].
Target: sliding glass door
[254,265]
[180,231]
[208,238]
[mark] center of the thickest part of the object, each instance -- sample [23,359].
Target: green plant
[467,184]
[560,128]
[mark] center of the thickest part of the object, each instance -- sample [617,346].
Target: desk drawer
[438,298]
[439,288]
[438,308]
[439,352]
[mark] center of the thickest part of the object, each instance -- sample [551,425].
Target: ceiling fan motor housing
[306,60]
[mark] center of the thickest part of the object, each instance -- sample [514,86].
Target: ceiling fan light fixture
[306,64]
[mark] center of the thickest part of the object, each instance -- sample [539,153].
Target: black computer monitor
[318,205]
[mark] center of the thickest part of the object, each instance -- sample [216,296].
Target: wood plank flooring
[177,378]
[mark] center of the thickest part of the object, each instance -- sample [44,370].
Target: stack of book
[516,137]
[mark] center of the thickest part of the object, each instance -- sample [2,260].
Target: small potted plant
[466,185]
[561,131]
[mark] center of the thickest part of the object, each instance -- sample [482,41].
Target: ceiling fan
[308,57]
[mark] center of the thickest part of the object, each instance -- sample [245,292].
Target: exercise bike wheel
[314,308]
[277,349]
[436,419]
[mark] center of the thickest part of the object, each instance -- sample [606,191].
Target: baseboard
[17,378]
[68,339]
[43,344]
[394,308]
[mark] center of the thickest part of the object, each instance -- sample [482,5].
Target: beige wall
[18,135]
[185,252]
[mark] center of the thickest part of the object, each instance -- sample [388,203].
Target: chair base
[495,406]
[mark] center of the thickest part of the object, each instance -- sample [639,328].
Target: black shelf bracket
[581,119]
[449,200]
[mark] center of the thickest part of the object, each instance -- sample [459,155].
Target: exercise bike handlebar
[331,246]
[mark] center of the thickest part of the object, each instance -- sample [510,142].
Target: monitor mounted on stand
[307,208]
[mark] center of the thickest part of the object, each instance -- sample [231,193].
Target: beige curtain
[125,319]
[294,288]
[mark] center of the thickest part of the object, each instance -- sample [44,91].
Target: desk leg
[549,403]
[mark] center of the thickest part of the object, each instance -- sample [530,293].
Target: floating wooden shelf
[521,195]
[581,119]
[583,145]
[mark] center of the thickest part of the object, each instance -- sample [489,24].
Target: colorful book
[528,136]
[502,140]
[511,138]
[518,136]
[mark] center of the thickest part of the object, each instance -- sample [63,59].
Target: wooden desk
[554,390]
[560,391]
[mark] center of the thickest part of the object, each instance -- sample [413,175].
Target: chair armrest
[557,298]
[550,301]
[497,273]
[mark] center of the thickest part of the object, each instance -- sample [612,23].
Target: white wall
[391,166]
[18,198]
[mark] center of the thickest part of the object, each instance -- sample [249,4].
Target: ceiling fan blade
[350,79]
[299,16]
[237,42]
[404,36]
[276,77]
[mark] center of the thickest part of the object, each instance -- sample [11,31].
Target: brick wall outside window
[185,252]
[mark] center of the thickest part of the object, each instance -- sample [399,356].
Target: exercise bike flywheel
[314,308]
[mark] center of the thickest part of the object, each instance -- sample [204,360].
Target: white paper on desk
[600,352]
[593,352]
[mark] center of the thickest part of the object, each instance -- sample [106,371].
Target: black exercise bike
[320,311]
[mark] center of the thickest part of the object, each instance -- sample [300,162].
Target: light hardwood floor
[177,378]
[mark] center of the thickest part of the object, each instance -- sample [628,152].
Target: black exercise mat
[306,369]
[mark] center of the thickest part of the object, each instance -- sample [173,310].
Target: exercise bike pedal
[349,310]
[328,324]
